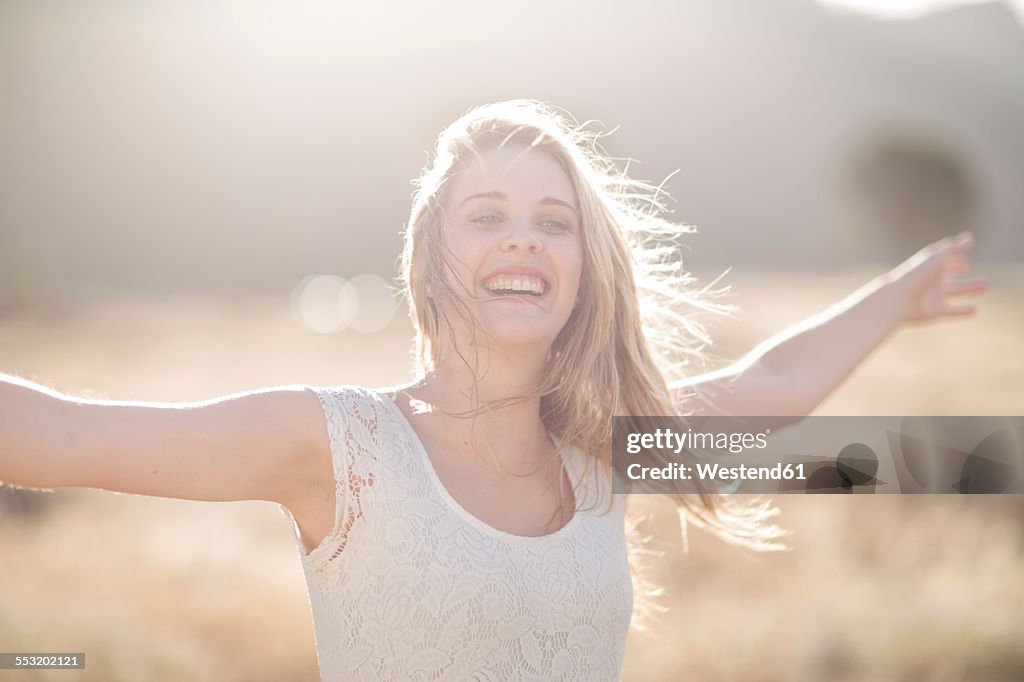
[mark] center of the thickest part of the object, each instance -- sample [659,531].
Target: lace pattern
[406,587]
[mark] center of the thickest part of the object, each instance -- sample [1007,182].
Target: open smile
[517,285]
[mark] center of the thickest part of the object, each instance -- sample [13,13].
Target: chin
[510,333]
[519,339]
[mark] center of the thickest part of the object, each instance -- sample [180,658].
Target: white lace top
[410,586]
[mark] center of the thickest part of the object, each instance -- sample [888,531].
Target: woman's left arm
[792,372]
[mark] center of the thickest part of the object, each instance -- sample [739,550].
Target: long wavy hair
[632,330]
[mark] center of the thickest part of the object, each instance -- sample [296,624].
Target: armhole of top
[347,442]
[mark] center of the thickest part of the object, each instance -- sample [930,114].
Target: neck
[461,392]
[480,371]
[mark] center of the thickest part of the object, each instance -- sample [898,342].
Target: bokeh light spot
[326,304]
[376,303]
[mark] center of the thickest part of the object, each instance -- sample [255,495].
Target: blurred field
[876,588]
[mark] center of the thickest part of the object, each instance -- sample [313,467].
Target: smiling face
[515,244]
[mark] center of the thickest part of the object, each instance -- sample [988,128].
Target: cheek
[463,251]
[572,268]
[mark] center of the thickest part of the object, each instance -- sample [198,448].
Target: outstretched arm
[792,372]
[268,445]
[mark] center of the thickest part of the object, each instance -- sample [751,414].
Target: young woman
[462,527]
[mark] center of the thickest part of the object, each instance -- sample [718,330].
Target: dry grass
[876,588]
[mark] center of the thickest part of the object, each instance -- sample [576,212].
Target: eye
[554,225]
[488,218]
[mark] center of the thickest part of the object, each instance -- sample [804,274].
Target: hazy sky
[248,144]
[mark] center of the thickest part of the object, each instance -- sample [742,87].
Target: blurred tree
[909,190]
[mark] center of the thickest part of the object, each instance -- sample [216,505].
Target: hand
[926,278]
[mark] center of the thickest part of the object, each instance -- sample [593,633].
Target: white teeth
[520,283]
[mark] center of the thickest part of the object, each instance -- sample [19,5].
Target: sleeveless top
[408,585]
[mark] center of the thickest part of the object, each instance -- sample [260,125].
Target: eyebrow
[550,201]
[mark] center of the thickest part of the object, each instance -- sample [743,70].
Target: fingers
[963,242]
[953,251]
[958,243]
[970,286]
[956,264]
[967,287]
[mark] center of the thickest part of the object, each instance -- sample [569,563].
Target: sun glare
[328,304]
[905,9]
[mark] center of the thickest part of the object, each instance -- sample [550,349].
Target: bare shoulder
[304,469]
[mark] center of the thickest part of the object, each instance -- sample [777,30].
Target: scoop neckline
[468,516]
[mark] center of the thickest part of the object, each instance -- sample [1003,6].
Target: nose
[521,237]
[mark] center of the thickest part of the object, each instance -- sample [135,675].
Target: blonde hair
[632,330]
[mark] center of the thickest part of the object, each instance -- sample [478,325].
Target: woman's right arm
[266,445]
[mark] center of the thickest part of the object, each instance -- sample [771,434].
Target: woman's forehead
[515,171]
